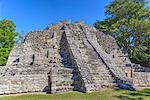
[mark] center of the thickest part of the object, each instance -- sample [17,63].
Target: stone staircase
[61,80]
[116,72]
[94,73]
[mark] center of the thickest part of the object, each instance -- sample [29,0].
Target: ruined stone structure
[67,57]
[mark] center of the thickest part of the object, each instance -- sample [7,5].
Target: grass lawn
[109,94]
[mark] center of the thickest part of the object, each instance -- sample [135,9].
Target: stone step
[62,81]
[61,89]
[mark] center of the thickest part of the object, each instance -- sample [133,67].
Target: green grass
[110,94]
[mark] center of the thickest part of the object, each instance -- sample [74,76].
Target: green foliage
[129,22]
[7,39]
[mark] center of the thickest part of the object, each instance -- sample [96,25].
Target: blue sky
[29,15]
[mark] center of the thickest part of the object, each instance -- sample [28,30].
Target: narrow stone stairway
[61,80]
[93,71]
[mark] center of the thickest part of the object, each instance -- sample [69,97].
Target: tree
[129,22]
[7,39]
[20,38]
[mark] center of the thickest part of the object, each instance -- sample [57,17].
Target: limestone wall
[141,79]
[20,55]
[109,45]
[23,83]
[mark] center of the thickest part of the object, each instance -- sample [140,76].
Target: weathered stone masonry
[66,57]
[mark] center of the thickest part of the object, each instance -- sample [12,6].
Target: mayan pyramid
[67,57]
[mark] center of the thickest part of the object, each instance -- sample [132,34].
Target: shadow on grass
[117,89]
[124,97]
[134,95]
